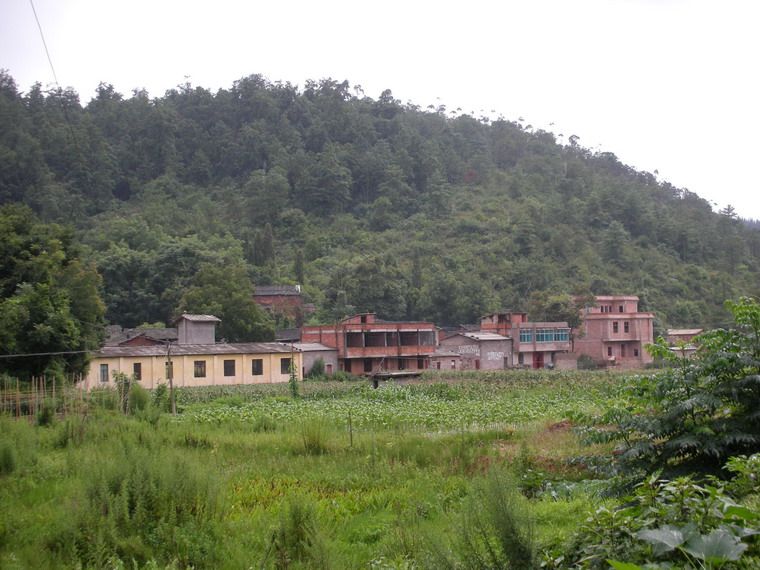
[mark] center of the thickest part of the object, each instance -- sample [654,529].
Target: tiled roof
[277,290]
[311,347]
[684,332]
[194,349]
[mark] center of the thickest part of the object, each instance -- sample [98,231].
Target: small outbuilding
[481,350]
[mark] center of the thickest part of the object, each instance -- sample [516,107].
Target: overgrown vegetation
[371,204]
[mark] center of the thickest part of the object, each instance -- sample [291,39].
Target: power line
[48,353]
[44,43]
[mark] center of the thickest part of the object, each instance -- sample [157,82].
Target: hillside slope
[372,204]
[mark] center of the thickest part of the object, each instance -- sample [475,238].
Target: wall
[154,369]
[480,354]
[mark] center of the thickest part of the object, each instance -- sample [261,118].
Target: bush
[47,413]
[585,362]
[317,369]
[139,398]
[7,459]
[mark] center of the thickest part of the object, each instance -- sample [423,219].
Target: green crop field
[448,472]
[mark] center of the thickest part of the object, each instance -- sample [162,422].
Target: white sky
[667,85]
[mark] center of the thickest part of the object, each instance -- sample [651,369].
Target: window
[635,351]
[137,371]
[420,364]
[199,369]
[620,308]
[453,364]
[401,364]
[169,369]
[609,351]
[526,335]
[544,335]
[257,367]
[229,367]
[438,365]
[562,335]
[626,326]
[614,326]
[285,366]
[368,365]
[104,372]
[622,350]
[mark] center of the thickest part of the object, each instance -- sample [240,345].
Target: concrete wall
[480,354]
[194,332]
[329,357]
[154,369]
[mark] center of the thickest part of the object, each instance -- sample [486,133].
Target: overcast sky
[666,85]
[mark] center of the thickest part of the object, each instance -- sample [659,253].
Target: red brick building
[615,332]
[368,345]
[535,344]
[282,300]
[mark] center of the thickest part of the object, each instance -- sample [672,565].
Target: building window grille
[257,367]
[635,351]
[229,367]
[285,366]
[544,335]
[609,351]
[104,372]
[615,327]
[626,326]
[137,371]
[199,369]
[562,335]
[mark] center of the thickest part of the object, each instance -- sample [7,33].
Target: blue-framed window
[526,335]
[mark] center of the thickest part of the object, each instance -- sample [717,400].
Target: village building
[536,344]
[614,332]
[196,359]
[682,336]
[370,346]
[443,359]
[117,336]
[312,352]
[480,350]
[285,301]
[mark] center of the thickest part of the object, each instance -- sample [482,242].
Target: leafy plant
[700,411]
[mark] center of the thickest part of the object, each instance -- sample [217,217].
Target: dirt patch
[564,425]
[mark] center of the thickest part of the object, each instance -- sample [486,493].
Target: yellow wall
[154,367]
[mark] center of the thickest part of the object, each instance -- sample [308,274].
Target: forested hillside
[370,203]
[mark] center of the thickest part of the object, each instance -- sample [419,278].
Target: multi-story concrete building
[368,345]
[536,344]
[614,332]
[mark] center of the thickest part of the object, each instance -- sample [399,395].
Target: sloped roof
[198,318]
[195,349]
[312,347]
[684,332]
[266,290]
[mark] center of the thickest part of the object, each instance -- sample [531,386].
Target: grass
[252,478]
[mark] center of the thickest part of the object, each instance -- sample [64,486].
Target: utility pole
[170,376]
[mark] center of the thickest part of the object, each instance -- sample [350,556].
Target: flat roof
[684,332]
[198,318]
[484,336]
[312,347]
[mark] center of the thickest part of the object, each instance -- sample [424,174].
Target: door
[538,360]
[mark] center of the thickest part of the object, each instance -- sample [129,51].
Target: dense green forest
[370,203]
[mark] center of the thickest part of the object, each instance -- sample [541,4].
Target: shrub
[47,413]
[585,362]
[317,369]
[139,398]
[7,459]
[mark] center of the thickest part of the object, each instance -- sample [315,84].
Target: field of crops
[479,404]
[447,472]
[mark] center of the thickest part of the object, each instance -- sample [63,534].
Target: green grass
[249,477]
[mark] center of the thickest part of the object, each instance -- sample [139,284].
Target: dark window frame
[285,365]
[199,369]
[104,372]
[257,367]
[137,371]
[229,367]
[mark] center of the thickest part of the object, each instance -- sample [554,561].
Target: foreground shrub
[675,524]
[139,508]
